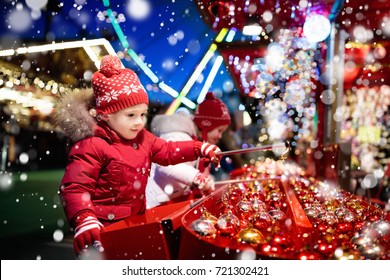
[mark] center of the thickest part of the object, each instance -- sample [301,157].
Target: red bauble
[307,255]
[244,224]
[344,240]
[282,240]
[274,195]
[244,209]
[322,227]
[258,205]
[311,212]
[256,191]
[326,247]
[261,220]
[358,225]
[279,204]
[278,215]
[228,224]
[373,217]
[270,250]
[344,227]
[234,195]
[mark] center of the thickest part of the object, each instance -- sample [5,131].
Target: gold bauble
[251,236]
[331,205]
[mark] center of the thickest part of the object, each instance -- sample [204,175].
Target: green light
[143,66]
[118,29]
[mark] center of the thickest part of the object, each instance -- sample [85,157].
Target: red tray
[154,235]
[195,246]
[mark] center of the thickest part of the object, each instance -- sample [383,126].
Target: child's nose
[139,120]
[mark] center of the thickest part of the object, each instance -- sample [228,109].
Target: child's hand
[210,151]
[204,183]
[87,234]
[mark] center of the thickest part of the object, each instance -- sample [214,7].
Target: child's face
[128,122]
[213,136]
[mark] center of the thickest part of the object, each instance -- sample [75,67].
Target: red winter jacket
[108,175]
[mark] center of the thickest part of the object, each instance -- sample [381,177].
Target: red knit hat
[211,113]
[116,88]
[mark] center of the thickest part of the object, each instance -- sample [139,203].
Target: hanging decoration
[286,85]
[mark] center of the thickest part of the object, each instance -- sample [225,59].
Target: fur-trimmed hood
[72,114]
[178,122]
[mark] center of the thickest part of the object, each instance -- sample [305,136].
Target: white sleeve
[183,172]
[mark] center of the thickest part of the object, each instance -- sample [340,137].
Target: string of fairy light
[11,78]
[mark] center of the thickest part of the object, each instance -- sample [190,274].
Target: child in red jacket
[109,163]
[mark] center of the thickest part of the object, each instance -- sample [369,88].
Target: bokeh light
[316,28]
[138,9]
[19,19]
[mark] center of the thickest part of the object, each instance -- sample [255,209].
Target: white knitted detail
[206,148]
[88,223]
[85,228]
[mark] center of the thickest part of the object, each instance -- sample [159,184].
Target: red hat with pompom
[116,88]
[211,113]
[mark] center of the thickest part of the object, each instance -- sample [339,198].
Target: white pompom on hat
[116,88]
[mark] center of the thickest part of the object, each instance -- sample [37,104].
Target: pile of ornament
[257,213]
[253,213]
[348,227]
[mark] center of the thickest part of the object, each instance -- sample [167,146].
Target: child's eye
[131,115]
